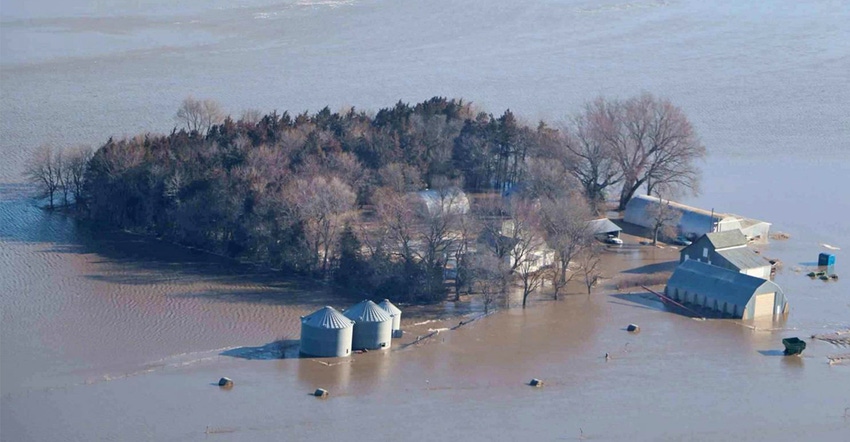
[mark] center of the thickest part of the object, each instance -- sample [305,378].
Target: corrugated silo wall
[373,335]
[326,342]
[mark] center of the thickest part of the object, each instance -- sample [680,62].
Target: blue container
[826,259]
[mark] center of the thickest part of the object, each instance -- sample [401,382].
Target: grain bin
[394,311]
[373,326]
[326,333]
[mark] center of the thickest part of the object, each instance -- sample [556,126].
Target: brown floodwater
[109,336]
[118,337]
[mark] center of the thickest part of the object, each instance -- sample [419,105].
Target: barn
[729,250]
[724,291]
[694,221]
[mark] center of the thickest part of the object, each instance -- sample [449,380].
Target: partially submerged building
[694,221]
[373,326]
[326,333]
[603,228]
[725,291]
[728,250]
[394,311]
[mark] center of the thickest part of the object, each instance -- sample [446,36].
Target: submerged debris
[225,382]
[837,359]
[536,383]
[321,393]
[633,328]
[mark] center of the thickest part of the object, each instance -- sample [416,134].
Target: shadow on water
[282,349]
[640,300]
[668,266]
[772,352]
[148,261]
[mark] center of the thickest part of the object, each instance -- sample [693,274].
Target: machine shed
[725,291]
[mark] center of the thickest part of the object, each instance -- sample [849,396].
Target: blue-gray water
[103,341]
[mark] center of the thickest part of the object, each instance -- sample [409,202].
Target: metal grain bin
[326,333]
[373,326]
[394,311]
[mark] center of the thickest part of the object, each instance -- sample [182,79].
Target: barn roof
[719,283]
[326,317]
[729,238]
[367,311]
[743,258]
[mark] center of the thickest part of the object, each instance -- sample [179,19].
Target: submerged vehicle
[793,346]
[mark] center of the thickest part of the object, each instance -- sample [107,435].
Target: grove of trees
[333,194]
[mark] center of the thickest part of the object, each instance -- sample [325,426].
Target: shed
[603,228]
[729,250]
[326,333]
[373,326]
[394,311]
[694,221]
[725,291]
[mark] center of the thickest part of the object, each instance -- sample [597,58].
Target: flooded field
[107,336]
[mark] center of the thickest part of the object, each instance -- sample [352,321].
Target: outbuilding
[729,250]
[725,291]
[373,326]
[326,333]
[694,221]
[433,202]
[603,228]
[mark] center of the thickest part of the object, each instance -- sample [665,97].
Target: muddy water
[109,336]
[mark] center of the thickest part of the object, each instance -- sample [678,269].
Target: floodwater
[115,337]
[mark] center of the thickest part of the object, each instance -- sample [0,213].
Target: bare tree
[76,162]
[589,261]
[44,170]
[591,160]
[323,205]
[654,144]
[468,230]
[565,226]
[199,115]
[491,275]
[663,218]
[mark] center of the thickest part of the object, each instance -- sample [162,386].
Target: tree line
[334,195]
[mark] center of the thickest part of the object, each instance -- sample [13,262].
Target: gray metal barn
[373,326]
[725,291]
[694,221]
[394,311]
[326,333]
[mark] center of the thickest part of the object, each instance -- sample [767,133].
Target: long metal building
[373,326]
[394,311]
[326,333]
[725,291]
[694,221]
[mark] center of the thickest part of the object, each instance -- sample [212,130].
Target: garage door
[764,304]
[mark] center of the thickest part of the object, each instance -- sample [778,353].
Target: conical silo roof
[326,317]
[389,307]
[367,311]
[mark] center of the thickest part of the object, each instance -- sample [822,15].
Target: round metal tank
[326,333]
[373,326]
[394,311]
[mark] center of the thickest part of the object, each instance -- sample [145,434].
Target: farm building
[724,291]
[694,222]
[433,202]
[326,333]
[728,250]
[603,228]
[373,326]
